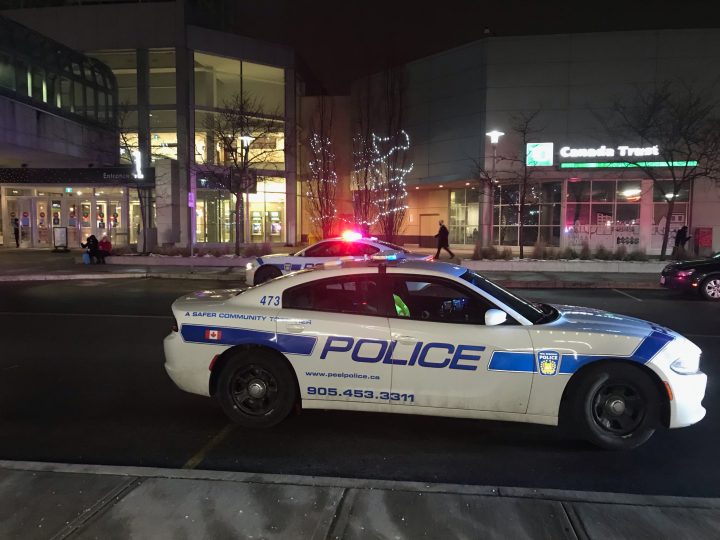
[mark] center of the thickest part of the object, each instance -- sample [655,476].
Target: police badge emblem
[548,362]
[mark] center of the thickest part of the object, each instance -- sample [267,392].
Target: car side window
[359,295]
[437,300]
[358,249]
[319,250]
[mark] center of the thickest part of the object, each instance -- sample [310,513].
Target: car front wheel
[266,273]
[710,288]
[616,406]
[257,389]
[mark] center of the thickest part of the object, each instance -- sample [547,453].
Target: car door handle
[295,328]
[407,340]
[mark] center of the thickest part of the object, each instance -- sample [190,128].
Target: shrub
[477,253]
[620,253]
[507,254]
[552,254]
[602,253]
[585,251]
[490,252]
[257,250]
[568,253]
[539,250]
[637,255]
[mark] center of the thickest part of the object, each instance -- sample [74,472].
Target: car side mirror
[494,317]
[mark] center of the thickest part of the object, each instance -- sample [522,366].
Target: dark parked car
[697,275]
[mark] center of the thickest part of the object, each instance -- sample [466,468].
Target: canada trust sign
[609,152]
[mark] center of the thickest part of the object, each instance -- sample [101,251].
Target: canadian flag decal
[213,334]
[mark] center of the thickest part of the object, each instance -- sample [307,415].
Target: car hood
[695,263]
[582,319]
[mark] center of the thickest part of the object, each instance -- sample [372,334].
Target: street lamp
[494,139]
[246,140]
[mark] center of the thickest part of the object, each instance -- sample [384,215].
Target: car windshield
[535,313]
[391,246]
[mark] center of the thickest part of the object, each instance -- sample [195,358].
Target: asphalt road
[81,381]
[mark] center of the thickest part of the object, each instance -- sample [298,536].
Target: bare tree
[321,180]
[363,181]
[524,128]
[681,128]
[129,148]
[390,156]
[244,134]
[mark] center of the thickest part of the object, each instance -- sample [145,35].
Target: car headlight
[686,366]
[685,273]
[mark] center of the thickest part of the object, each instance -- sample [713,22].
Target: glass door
[24,214]
[86,228]
[42,220]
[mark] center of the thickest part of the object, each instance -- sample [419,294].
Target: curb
[510,284]
[598,497]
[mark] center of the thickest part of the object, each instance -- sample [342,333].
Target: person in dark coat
[93,248]
[681,238]
[443,243]
[16,230]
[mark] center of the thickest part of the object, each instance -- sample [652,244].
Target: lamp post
[494,139]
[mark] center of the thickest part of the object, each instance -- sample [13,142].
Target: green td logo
[539,154]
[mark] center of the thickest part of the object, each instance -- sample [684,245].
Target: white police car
[350,244]
[433,339]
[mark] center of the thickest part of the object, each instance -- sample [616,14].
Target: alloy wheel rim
[254,390]
[618,408]
[712,288]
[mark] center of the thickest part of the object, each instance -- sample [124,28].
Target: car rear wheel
[615,407]
[257,389]
[266,273]
[710,288]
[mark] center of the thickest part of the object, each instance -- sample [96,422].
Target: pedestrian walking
[16,231]
[681,238]
[443,242]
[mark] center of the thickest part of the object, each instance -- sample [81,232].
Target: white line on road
[108,315]
[199,456]
[628,295]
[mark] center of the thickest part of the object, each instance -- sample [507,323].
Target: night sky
[339,41]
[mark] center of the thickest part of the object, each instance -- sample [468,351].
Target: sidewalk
[44,265]
[44,500]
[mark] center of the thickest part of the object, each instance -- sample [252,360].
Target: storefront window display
[540,219]
[603,212]
[215,213]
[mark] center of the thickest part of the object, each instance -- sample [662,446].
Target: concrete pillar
[185,96]
[647,218]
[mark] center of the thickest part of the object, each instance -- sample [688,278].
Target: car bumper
[187,364]
[688,392]
[681,283]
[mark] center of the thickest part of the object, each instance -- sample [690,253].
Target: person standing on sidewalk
[16,231]
[443,243]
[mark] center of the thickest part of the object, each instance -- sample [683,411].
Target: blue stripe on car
[285,343]
[524,362]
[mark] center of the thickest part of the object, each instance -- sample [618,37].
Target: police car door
[347,316]
[442,349]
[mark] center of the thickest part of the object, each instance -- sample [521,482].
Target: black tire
[710,288]
[257,388]
[614,406]
[266,273]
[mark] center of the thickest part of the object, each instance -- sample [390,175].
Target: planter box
[139,260]
[533,265]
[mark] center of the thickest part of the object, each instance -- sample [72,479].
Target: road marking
[15,313]
[628,295]
[199,456]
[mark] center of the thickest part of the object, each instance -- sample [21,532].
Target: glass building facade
[53,77]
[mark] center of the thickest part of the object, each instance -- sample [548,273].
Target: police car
[431,338]
[350,245]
